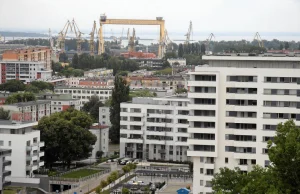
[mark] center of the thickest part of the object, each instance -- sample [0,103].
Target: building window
[1,143]
[9,143]
[201,159]
[201,170]
[226,160]
[201,182]
[253,161]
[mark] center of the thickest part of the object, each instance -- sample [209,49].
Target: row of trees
[20,97]
[282,176]
[34,87]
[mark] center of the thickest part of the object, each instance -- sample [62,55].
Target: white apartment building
[235,105]
[29,111]
[104,116]
[25,71]
[177,61]
[84,94]
[155,128]
[102,134]
[25,144]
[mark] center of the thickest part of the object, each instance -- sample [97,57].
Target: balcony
[130,140]
[41,163]
[243,167]
[154,124]
[209,165]
[195,141]
[138,123]
[202,83]
[6,173]
[6,163]
[132,114]
[41,144]
[41,154]
[156,115]
[129,149]
[192,152]
[249,155]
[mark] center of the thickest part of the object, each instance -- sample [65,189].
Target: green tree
[284,153]
[125,191]
[4,114]
[99,154]
[126,169]
[180,51]
[32,89]
[56,67]
[281,47]
[103,183]
[170,55]
[299,47]
[181,90]
[75,61]
[41,85]
[203,49]
[63,58]
[13,86]
[92,107]
[286,45]
[20,97]
[120,94]
[66,136]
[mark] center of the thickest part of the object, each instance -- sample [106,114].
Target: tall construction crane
[92,43]
[78,36]
[259,40]
[166,42]
[131,42]
[51,40]
[189,33]
[207,42]
[121,38]
[62,36]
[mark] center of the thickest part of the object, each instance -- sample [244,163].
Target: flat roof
[30,103]
[80,88]
[7,124]
[24,62]
[249,58]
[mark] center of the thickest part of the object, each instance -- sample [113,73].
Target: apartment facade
[61,102]
[98,72]
[235,105]
[23,70]
[24,143]
[84,94]
[155,128]
[102,134]
[3,163]
[30,54]
[104,116]
[29,111]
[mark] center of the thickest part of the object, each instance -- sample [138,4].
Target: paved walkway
[88,185]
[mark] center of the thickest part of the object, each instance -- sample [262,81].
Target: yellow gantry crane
[131,41]
[259,40]
[60,44]
[78,36]
[92,43]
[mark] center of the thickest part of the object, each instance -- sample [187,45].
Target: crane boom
[62,35]
[92,38]
[188,34]
[78,34]
[207,42]
[259,40]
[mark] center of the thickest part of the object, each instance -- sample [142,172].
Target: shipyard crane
[189,33]
[51,40]
[259,40]
[92,43]
[166,42]
[207,42]
[78,34]
[131,41]
[121,38]
[62,36]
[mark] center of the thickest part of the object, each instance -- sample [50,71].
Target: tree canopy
[120,94]
[281,177]
[4,114]
[20,97]
[66,136]
[13,86]
[142,93]
[92,107]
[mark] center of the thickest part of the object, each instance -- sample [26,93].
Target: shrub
[103,183]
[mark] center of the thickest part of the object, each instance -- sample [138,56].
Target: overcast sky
[264,16]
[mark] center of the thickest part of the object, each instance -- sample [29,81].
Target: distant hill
[21,34]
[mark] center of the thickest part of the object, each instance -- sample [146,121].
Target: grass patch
[80,173]
[9,192]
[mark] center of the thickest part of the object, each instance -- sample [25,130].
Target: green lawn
[80,173]
[9,192]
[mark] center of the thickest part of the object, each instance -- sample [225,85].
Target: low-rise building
[102,134]
[84,94]
[155,128]
[141,72]
[29,111]
[25,71]
[3,96]
[3,172]
[25,145]
[157,82]
[61,102]
[98,72]
[177,61]
[104,116]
